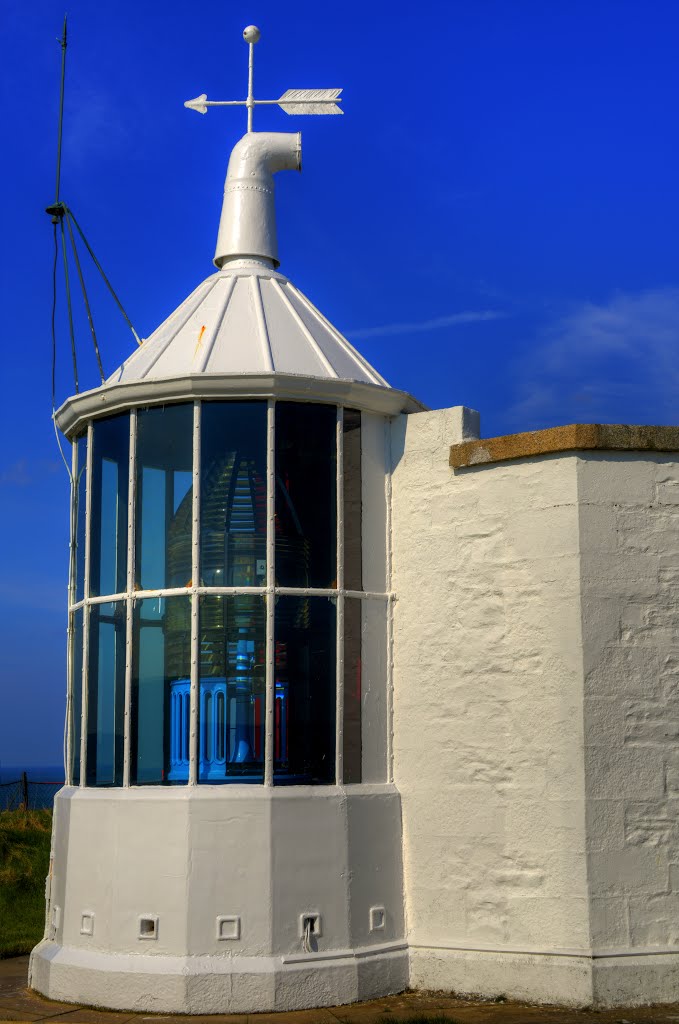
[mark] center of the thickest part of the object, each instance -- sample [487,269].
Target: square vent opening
[87,923]
[148,927]
[228,927]
[378,919]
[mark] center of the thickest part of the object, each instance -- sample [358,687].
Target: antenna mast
[59,211]
[63,44]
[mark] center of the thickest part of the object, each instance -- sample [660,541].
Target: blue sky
[493,222]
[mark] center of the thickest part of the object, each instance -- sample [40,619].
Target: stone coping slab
[574,437]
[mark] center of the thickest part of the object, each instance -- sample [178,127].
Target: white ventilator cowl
[248,222]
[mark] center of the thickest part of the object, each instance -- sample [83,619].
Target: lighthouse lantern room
[229,837]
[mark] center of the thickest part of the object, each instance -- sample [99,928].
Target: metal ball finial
[251,34]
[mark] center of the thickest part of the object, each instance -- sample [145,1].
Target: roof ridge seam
[262,324]
[181,326]
[346,345]
[305,330]
[136,355]
[207,350]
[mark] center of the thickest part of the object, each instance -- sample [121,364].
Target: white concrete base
[210,984]
[564,979]
[144,879]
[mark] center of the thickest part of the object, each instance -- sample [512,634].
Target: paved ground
[18,1004]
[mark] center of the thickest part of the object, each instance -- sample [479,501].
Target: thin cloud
[40,597]
[25,472]
[612,362]
[96,126]
[417,326]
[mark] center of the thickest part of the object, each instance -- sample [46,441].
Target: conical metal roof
[247,319]
[246,330]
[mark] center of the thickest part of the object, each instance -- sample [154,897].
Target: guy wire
[87,302]
[54,353]
[69,213]
[69,304]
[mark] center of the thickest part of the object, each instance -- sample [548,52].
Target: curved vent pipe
[248,224]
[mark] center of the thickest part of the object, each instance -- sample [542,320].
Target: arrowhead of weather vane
[198,104]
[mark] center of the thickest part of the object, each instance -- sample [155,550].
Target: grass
[24,863]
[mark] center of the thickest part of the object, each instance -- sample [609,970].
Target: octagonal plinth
[194,900]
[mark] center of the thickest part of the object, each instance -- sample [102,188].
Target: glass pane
[374,691]
[161,684]
[164,497]
[79,491]
[233,494]
[106,694]
[232,688]
[306,513]
[351,472]
[108,531]
[76,693]
[352,690]
[305,664]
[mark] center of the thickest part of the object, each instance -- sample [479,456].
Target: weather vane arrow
[293,101]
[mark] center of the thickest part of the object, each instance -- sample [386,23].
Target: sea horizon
[35,772]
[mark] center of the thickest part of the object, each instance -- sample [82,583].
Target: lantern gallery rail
[243,660]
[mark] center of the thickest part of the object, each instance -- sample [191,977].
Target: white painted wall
[488,731]
[535,652]
[629,527]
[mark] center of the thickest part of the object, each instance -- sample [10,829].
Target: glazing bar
[390,608]
[270,682]
[70,637]
[139,595]
[195,602]
[129,600]
[339,661]
[86,610]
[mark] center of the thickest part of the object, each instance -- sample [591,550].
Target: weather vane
[293,101]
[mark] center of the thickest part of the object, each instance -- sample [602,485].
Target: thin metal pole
[86,609]
[251,99]
[339,660]
[331,592]
[70,633]
[270,679]
[103,599]
[140,595]
[129,598]
[63,44]
[273,103]
[390,608]
[194,696]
